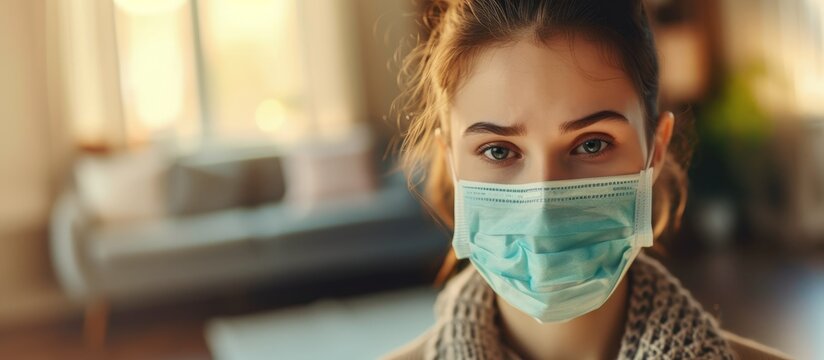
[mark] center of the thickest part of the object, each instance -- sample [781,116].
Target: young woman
[535,128]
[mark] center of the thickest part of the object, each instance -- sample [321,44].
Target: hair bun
[433,14]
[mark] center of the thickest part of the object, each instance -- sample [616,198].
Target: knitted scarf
[663,320]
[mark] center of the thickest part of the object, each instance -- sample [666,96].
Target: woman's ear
[663,135]
[439,138]
[443,145]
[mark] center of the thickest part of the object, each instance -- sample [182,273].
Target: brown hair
[455,31]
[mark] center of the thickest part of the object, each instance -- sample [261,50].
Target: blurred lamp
[683,60]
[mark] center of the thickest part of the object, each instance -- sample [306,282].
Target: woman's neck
[595,335]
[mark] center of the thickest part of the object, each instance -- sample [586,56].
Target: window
[230,73]
[158,76]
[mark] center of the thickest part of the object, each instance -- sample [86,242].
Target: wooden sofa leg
[95,323]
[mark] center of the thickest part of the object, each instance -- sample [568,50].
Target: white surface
[354,328]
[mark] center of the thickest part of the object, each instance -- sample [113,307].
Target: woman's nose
[547,169]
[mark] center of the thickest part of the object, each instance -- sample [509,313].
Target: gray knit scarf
[663,320]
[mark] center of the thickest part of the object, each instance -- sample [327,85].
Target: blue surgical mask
[555,250]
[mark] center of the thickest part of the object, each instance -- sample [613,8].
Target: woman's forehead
[542,85]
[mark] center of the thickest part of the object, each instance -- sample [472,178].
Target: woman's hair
[454,32]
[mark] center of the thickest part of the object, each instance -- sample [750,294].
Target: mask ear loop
[643,204]
[460,233]
[650,156]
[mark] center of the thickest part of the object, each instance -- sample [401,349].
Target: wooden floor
[176,330]
[161,334]
[770,298]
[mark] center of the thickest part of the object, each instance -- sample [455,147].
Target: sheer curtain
[84,77]
[207,73]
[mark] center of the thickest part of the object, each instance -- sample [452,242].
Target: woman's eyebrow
[591,119]
[490,128]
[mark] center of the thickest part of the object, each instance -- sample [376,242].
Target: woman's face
[536,112]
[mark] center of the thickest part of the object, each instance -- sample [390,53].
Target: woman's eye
[591,147]
[497,153]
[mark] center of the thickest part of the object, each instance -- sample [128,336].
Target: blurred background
[195,179]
